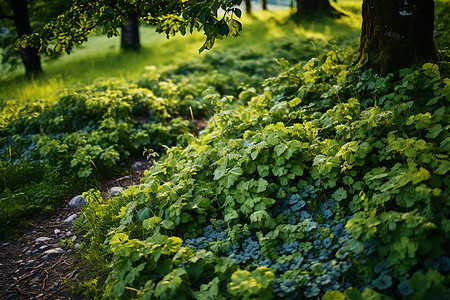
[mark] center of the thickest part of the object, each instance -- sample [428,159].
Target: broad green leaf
[339,194]
[168,224]
[261,185]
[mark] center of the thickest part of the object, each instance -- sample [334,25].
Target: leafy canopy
[215,18]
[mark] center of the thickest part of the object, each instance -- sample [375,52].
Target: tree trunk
[264,4]
[396,33]
[30,57]
[130,34]
[311,6]
[248,6]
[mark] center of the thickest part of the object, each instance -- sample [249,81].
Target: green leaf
[220,171]
[151,222]
[443,168]
[333,295]
[261,185]
[167,224]
[279,149]
[173,243]
[339,194]
[434,131]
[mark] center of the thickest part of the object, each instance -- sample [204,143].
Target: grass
[101,57]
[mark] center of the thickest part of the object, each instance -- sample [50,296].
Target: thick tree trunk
[264,4]
[130,34]
[311,6]
[248,6]
[30,57]
[396,33]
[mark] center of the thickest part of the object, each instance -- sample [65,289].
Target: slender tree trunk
[264,4]
[130,34]
[396,33]
[248,6]
[311,6]
[29,55]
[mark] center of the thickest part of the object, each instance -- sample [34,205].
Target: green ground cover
[314,178]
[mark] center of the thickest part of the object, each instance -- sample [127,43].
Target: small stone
[68,233]
[52,252]
[29,252]
[37,278]
[76,201]
[70,218]
[43,247]
[69,252]
[137,165]
[19,261]
[57,231]
[74,238]
[22,245]
[77,245]
[42,239]
[31,261]
[115,190]
[7,244]
[11,297]
[35,251]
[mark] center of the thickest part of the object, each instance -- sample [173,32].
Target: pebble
[29,262]
[74,238]
[42,239]
[76,201]
[7,244]
[70,219]
[77,245]
[43,247]
[52,252]
[68,233]
[115,190]
[137,165]
[29,252]
[57,231]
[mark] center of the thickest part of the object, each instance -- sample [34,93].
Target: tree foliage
[216,19]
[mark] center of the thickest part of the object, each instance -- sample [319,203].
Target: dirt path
[36,265]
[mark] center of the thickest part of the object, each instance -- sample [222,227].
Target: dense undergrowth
[90,132]
[313,179]
[332,182]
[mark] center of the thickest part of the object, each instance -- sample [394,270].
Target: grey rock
[115,190]
[69,252]
[52,252]
[77,245]
[42,239]
[6,244]
[137,165]
[57,231]
[31,261]
[69,233]
[76,201]
[74,238]
[29,252]
[70,218]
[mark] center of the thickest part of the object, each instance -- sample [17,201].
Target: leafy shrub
[330,182]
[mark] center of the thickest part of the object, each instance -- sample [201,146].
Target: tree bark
[264,4]
[29,55]
[130,34]
[396,33]
[311,6]
[248,6]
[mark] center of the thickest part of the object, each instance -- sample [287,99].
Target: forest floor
[36,265]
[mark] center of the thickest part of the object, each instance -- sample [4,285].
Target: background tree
[311,6]
[248,6]
[264,4]
[22,17]
[129,39]
[396,33]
